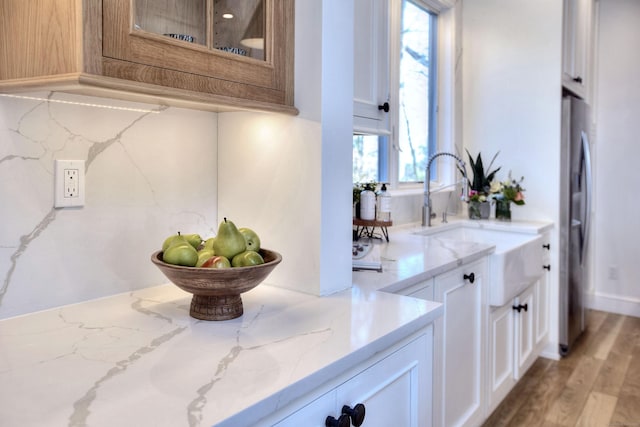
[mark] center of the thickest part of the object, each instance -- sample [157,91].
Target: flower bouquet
[505,193]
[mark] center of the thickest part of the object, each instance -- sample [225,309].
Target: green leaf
[481,181]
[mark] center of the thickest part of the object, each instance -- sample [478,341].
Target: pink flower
[519,196]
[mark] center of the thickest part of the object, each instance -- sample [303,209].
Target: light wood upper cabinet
[123,49]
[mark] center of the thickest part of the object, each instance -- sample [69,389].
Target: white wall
[289,178]
[512,57]
[511,102]
[616,223]
[148,175]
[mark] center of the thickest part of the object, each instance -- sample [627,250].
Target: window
[401,158]
[370,159]
[417,101]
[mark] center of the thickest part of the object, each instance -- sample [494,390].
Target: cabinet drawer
[395,391]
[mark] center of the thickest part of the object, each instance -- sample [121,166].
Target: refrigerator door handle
[586,158]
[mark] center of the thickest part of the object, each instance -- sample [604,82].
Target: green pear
[229,242]
[180,253]
[246,259]
[251,239]
[204,255]
[217,261]
[208,244]
[169,240]
[194,240]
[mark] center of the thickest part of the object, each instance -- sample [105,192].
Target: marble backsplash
[150,171]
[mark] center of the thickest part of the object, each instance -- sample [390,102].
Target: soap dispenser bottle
[368,205]
[384,204]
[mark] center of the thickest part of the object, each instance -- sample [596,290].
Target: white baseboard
[550,354]
[551,350]
[613,304]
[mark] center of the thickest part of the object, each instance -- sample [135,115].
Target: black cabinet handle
[384,107]
[547,267]
[521,307]
[547,246]
[470,277]
[342,421]
[577,79]
[356,414]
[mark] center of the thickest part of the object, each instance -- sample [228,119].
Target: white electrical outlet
[69,183]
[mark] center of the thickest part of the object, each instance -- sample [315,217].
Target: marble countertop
[139,359]
[409,258]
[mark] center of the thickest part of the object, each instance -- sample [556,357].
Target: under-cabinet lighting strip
[85,104]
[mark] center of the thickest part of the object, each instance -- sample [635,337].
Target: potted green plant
[480,186]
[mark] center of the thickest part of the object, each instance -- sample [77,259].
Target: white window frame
[447,110]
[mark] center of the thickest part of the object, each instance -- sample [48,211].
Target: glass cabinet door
[233,26]
[229,49]
[180,19]
[238,27]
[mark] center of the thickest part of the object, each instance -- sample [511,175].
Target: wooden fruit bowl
[216,291]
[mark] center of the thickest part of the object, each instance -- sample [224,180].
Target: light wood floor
[598,384]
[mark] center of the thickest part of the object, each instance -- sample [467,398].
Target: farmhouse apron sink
[514,265]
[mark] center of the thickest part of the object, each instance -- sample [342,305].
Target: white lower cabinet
[395,391]
[501,355]
[459,337]
[481,351]
[459,346]
[539,315]
[517,333]
[524,307]
[542,296]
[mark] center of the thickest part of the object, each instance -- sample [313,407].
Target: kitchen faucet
[426,208]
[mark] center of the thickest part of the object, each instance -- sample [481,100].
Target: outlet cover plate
[69,183]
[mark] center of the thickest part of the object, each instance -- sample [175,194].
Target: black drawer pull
[547,246]
[384,107]
[356,414]
[521,307]
[342,421]
[547,267]
[470,277]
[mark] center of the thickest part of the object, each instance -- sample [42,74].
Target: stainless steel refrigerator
[575,208]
